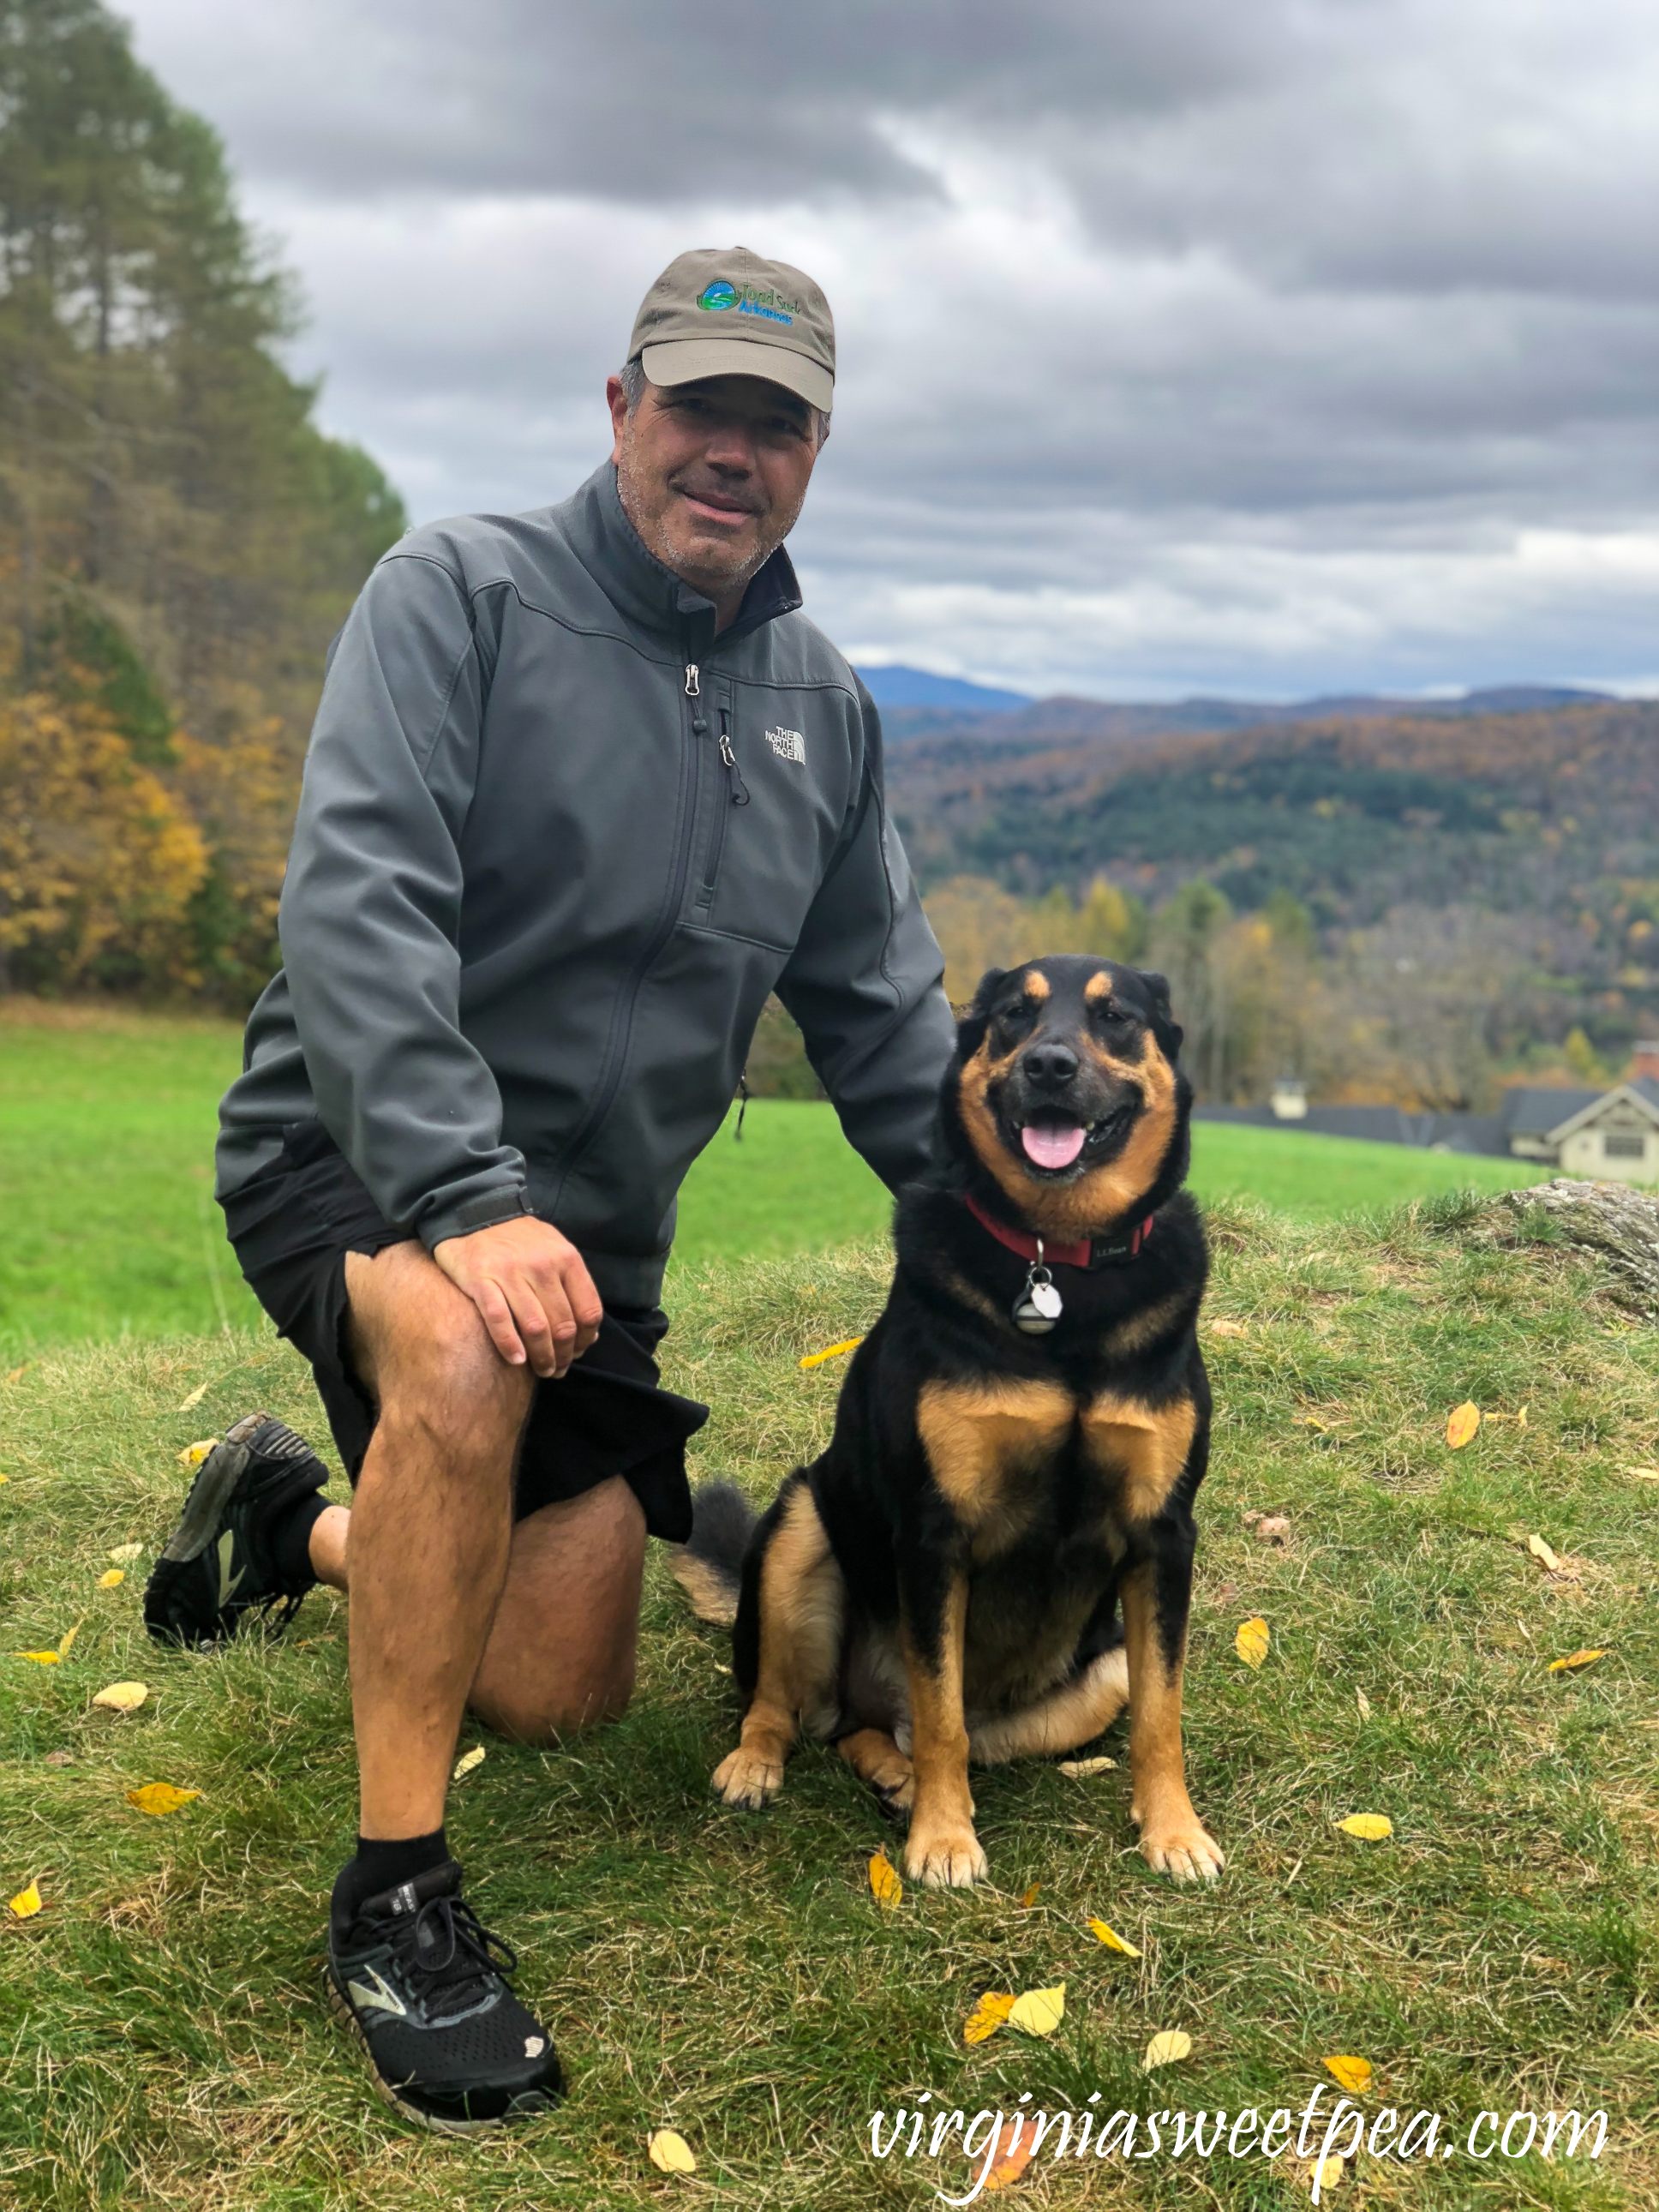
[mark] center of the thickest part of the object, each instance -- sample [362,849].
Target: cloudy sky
[1279,348]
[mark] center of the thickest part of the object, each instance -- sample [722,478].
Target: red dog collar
[1078,1255]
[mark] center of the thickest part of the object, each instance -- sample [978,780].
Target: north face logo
[787,744]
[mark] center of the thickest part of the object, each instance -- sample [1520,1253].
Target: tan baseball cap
[727,312]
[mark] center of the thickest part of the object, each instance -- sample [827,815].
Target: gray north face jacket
[556,842]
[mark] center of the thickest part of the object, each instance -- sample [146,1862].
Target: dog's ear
[1170,1031]
[974,1018]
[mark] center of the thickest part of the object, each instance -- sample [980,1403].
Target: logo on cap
[717,296]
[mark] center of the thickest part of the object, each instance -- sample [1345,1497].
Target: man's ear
[1170,1031]
[972,1024]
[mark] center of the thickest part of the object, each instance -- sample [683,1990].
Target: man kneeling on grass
[585,787]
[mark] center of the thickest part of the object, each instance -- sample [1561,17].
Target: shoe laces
[449,1947]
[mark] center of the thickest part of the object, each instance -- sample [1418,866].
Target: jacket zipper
[739,797]
[622,1026]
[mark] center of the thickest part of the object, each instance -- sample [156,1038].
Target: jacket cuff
[481,1212]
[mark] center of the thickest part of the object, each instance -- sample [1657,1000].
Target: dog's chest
[1014,1456]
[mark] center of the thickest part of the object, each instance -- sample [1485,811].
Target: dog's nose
[1051,1065]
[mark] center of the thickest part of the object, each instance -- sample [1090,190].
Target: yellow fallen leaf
[832,1352]
[669,2153]
[1252,1641]
[1012,2154]
[1644,1474]
[1461,1423]
[193,1455]
[1039,2012]
[1076,1767]
[40,1658]
[112,1578]
[123,1697]
[5,1478]
[1577,1659]
[1326,2173]
[1542,1552]
[16,1374]
[1353,2073]
[1311,1421]
[467,1761]
[159,1797]
[27,1903]
[1364,1705]
[1167,2049]
[66,1640]
[1228,1328]
[987,2016]
[1029,1898]
[1369,1827]
[1111,1939]
[885,1885]
[124,1553]
[1521,1418]
[194,1399]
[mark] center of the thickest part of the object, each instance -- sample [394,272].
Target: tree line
[177,538]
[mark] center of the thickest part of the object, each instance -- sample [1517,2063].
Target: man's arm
[866,983]
[370,922]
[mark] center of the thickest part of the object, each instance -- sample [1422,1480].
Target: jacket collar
[650,595]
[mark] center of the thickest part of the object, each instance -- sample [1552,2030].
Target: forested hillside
[178,539]
[1391,906]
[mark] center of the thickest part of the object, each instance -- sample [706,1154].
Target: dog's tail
[709,1565]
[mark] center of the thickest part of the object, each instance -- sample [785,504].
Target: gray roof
[1528,1110]
[1533,1109]
[1376,1125]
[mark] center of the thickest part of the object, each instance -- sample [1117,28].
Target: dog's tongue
[1051,1144]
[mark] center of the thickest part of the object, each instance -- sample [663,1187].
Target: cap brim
[684,360]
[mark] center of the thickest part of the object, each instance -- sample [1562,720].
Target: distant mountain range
[1549,810]
[915,704]
[945,696]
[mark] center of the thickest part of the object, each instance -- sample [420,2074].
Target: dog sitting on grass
[1017,1448]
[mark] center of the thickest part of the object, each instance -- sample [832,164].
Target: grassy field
[163,2043]
[106,1129]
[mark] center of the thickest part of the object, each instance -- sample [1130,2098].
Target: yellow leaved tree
[98,862]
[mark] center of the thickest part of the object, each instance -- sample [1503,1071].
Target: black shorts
[291,1228]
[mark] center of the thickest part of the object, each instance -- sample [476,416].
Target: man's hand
[529,1283]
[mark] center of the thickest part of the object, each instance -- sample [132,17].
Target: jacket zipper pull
[740,794]
[693,689]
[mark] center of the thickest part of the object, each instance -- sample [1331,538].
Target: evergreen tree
[178,539]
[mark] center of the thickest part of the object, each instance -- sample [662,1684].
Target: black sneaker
[217,1567]
[425,1989]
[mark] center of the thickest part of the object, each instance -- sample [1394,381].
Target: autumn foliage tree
[178,539]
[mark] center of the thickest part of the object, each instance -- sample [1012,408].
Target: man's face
[713,474]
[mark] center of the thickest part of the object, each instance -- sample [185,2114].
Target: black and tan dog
[1016,1450]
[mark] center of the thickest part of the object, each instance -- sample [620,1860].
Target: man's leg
[430,1532]
[561,1652]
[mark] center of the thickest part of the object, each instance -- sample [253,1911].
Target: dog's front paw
[944,1857]
[1183,1848]
[749,1779]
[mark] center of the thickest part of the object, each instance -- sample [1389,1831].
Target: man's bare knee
[562,1711]
[423,1351]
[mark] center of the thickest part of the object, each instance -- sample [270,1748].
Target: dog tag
[1039,1305]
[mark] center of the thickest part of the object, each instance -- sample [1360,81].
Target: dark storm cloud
[666,99]
[1310,341]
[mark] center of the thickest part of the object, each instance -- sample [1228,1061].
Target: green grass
[106,1126]
[162,2041]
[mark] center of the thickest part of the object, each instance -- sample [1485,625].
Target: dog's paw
[944,1857]
[749,1779]
[896,1794]
[1182,1849]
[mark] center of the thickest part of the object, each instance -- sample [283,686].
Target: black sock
[381,1864]
[288,1540]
